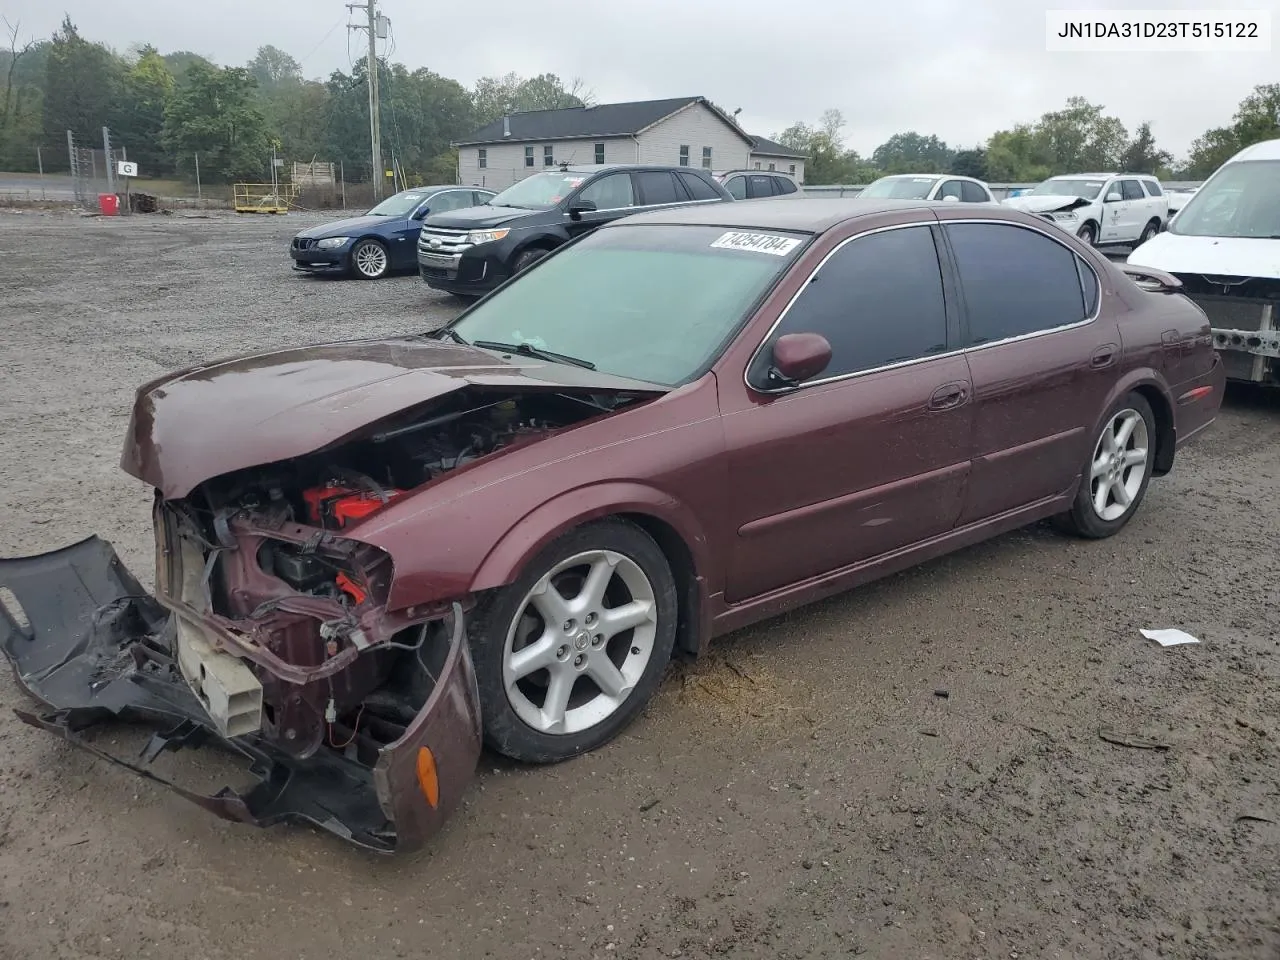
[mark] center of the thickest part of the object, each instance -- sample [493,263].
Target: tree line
[168,108]
[1079,138]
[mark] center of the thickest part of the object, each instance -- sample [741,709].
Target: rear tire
[1116,475]
[523,655]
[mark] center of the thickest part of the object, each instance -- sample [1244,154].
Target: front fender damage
[93,648]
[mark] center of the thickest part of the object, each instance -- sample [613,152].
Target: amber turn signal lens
[427,778]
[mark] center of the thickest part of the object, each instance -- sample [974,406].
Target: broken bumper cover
[97,649]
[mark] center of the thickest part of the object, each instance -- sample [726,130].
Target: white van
[1224,245]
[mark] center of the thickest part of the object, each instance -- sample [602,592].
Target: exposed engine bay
[306,655]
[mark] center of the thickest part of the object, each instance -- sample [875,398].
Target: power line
[322,40]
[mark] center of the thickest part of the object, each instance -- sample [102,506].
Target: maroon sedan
[374,556]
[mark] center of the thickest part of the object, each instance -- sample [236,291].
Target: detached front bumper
[96,648]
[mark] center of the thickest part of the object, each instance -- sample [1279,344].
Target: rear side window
[972,193]
[1089,281]
[759,186]
[1130,190]
[698,188]
[784,185]
[658,186]
[878,300]
[737,187]
[1153,188]
[1014,281]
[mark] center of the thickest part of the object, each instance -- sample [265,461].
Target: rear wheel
[1117,473]
[369,260]
[569,653]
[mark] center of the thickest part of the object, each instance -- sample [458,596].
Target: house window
[484,158]
[792,171]
[528,156]
[706,158]
[773,166]
[757,164]
[547,155]
[599,153]
[684,155]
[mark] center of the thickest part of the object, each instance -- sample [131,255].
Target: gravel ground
[805,791]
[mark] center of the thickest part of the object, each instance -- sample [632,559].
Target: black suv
[468,252]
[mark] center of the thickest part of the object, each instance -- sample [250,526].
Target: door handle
[949,395]
[1104,356]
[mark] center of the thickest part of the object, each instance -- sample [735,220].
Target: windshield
[653,303]
[900,188]
[400,205]
[1064,187]
[542,191]
[1241,200]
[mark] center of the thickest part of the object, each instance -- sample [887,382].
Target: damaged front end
[88,643]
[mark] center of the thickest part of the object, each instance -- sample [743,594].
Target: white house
[689,131]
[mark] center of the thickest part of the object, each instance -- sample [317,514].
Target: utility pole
[377,28]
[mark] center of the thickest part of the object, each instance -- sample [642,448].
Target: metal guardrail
[998,190]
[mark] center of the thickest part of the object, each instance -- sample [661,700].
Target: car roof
[803,214]
[437,187]
[599,167]
[1086,176]
[1266,150]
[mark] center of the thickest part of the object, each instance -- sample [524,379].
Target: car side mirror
[420,213]
[1113,197]
[579,207]
[799,356]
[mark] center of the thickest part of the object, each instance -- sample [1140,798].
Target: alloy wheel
[580,642]
[1119,466]
[371,260]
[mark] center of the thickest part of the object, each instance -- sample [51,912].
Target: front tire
[1089,234]
[1149,231]
[1117,473]
[527,259]
[369,260]
[569,653]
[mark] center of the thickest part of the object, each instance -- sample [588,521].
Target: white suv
[1100,208]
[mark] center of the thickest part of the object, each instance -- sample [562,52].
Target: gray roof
[771,148]
[580,123]
[805,214]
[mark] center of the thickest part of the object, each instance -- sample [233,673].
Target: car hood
[1046,204]
[1214,256]
[347,227]
[231,414]
[478,218]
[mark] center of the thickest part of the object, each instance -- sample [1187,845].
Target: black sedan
[382,240]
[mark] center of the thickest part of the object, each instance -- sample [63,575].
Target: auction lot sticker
[757,242]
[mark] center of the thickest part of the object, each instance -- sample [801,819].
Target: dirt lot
[804,792]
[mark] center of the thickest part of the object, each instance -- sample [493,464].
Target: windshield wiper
[529,350]
[451,334]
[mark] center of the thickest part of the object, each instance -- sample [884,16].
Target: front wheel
[1089,234]
[569,653]
[1149,231]
[527,259]
[369,260]
[1118,472]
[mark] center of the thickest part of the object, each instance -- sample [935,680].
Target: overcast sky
[960,70]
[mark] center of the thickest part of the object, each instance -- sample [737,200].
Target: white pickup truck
[1103,209]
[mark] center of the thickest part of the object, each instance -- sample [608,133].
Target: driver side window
[878,300]
[450,200]
[611,192]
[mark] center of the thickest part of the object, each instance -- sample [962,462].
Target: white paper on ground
[1169,638]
